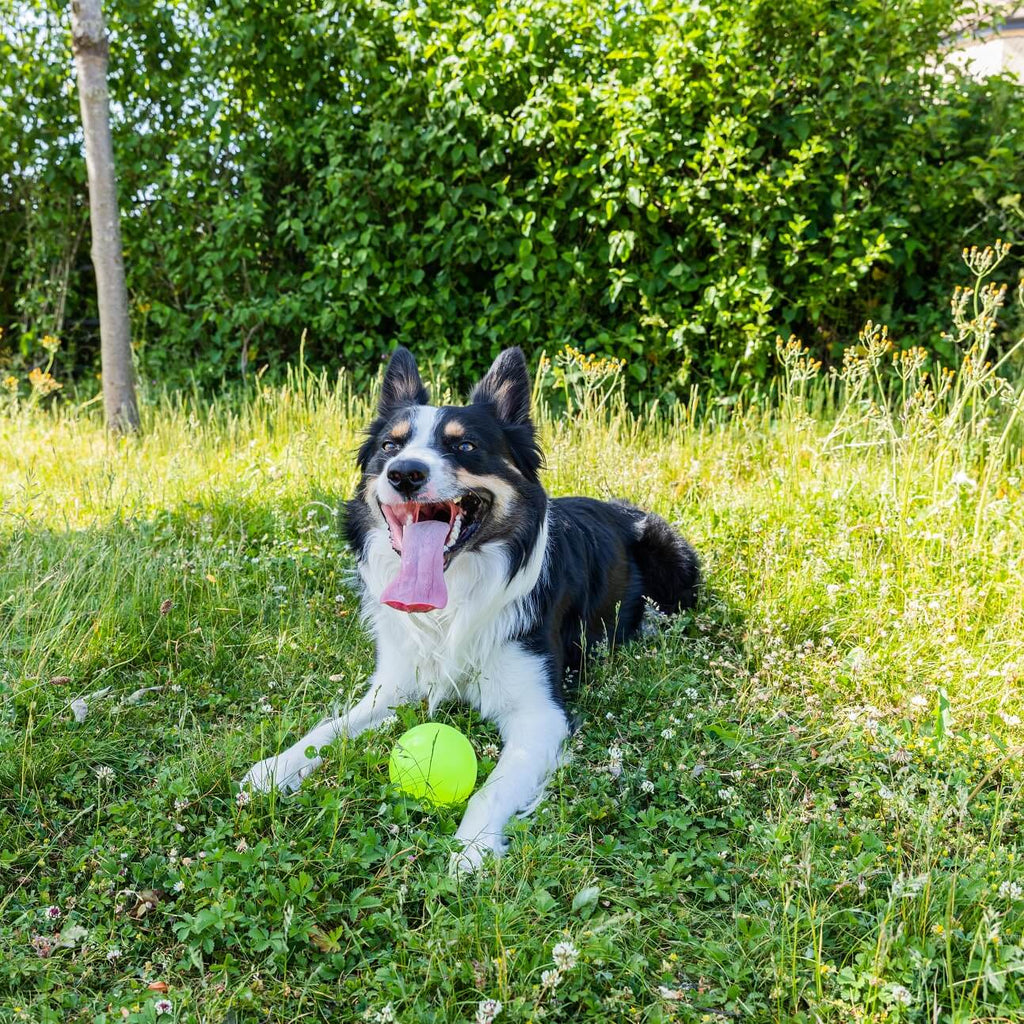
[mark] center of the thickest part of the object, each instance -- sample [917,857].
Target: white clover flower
[1010,891]
[163,1006]
[113,954]
[614,761]
[647,786]
[178,885]
[692,693]
[919,701]
[667,734]
[104,773]
[52,913]
[565,955]
[727,794]
[180,804]
[487,1010]
[901,994]
[491,750]
[961,479]
[885,793]
[552,978]
[243,797]
[385,1015]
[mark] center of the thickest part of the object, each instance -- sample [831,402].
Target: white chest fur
[455,650]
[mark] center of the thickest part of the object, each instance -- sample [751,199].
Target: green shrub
[672,184]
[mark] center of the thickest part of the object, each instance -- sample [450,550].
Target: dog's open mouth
[462,516]
[427,535]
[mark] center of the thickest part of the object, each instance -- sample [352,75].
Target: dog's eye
[389,446]
[465,446]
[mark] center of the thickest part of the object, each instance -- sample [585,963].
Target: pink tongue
[419,585]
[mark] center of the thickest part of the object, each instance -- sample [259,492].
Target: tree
[90,48]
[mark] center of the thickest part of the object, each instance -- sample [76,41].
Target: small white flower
[487,1010]
[832,589]
[180,804]
[691,693]
[919,701]
[113,954]
[961,479]
[901,994]
[551,979]
[885,793]
[1010,891]
[52,913]
[178,827]
[163,1006]
[124,856]
[565,955]
[385,1015]
[614,761]
[491,750]
[667,734]
[242,798]
[647,786]
[727,794]
[104,773]
[1010,720]
[241,846]
[178,885]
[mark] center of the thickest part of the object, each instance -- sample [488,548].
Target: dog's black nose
[407,476]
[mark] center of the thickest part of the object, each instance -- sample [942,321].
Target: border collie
[479,587]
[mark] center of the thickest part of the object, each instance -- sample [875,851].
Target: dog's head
[445,480]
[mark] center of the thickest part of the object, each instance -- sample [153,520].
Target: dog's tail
[669,566]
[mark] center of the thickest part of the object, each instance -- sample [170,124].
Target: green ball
[435,763]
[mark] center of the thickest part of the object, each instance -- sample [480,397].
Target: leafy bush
[669,183]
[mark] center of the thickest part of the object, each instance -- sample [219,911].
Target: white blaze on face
[441,484]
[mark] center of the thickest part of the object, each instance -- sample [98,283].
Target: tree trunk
[89,45]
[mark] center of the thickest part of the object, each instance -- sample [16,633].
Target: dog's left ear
[506,386]
[402,384]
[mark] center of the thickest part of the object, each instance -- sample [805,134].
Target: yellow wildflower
[43,383]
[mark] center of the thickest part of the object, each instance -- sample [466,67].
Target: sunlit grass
[818,811]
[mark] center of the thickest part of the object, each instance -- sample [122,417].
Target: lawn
[801,802]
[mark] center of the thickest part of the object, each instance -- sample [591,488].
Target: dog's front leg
[390,687]
[533,731]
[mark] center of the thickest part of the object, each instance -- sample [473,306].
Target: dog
[479,587]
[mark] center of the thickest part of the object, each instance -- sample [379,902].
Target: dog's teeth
[408,519]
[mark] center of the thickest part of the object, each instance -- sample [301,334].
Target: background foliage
[668,183]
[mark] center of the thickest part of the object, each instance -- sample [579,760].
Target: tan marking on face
[401,430]
[370,496]
[504,493]
[453,428]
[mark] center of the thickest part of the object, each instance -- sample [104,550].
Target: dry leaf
[148,900]
[323,941]
[157,986]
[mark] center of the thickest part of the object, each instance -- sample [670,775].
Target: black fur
[604,557]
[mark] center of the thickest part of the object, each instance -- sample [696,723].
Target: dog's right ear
[402,384]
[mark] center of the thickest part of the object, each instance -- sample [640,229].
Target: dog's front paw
[471,857]
[468,860]
[284,772]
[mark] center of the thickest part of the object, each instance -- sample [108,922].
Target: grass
[818,813]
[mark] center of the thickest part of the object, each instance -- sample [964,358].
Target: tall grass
[800,803]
